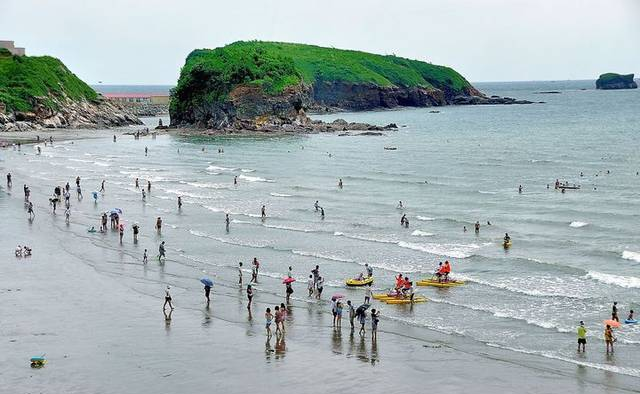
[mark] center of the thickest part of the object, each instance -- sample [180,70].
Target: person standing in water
[310,285]
[369,270]
[520,189]
[159,224]
[179,202]
[207,291]
[268,318]
[167,299]
[149,186]
[161,252]
[144,195]
[352,314]
[137,183]
[477,227]
[316,206]
[235,180]
[249,296]
[609,338]
[67,215]
[121,231]
[136,230]
[582,337]
[263,212]
[288,291]
[227,221]
[102,187]
[614,312]
[9,182]
[400,206]
[321,213]
[319,287]
[30,211]
[340,183]
[144,257]
[368,294]
[146,151]
[375,318]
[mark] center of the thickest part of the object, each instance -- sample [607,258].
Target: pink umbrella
[336,296]
[288,280]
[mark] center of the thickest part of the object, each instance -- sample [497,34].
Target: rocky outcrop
[83,114]
[611,81]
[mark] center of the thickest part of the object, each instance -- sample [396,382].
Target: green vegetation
[25,78]
[209,75]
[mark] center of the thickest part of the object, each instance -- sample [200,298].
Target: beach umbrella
[362,308]
[288,280]
[206,281]
[336,296]
[612,323]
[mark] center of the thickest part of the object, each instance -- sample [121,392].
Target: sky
[146,42]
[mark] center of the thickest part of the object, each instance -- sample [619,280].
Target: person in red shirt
[447,269]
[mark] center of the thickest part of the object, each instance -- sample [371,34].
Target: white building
[12,48]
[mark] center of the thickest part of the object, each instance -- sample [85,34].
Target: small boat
[38,362]
[390,148]
[357,282]
[436,283]
[631,321]
[407,300]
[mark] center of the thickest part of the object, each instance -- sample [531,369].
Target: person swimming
[507,238]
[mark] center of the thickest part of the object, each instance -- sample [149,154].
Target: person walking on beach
[240,273]
[137,184]
[149,186]
[609,338]
[179,202]
[77,181]
[136,230]
[144,257]
[121,230]
[278,318]
[319,287]
[103,222]
[102,186]
[249,296]
[27,192]
[161,252]
[316,206]
[254,274]
[207,291]
[614,312]
[30,211]
[144,195]
[310,285]
[9,182]
[268,318]
[582,337]
[159,224]
[167,299]
[352,313]
[67,214]
[263,212]
[375,318]
[79,192]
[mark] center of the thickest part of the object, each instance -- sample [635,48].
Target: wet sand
[103,331]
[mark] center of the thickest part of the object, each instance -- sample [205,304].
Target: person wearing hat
[582,336]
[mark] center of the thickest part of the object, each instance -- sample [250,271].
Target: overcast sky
[145,42]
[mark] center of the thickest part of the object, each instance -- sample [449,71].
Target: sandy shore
[96,313]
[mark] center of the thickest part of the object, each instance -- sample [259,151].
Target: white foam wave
[418,233]
[220,169]
[364,238]
[247,170]
[486,192]
[255,179]
[628,282]
[578,224]
[280,195]
[425,218]
[207,185]
[322,256]
[457,251]
[629,255]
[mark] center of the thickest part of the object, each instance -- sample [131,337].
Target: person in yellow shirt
[582,336]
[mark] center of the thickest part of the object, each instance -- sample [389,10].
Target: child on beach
[374,324]
[269,318]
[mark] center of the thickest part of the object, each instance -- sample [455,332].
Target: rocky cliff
[40,92]
[616,81]
[267,85]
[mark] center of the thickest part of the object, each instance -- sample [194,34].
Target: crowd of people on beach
[277,316]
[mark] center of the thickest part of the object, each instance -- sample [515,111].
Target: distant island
[616,81]
[40,92]
[271,86]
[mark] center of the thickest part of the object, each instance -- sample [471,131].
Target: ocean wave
[578,224]
[364,238]
[101,164]
[604,367]
[322,256]
[247,170]
[418,233]
[255,179]
[280,195]
[525,287]
[207,185]
[186,194]
[486,192]
[629,282]
[301,230]
[458,251]
[220,169]
[425,218]
[629,255]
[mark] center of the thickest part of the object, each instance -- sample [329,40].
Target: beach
[95,310]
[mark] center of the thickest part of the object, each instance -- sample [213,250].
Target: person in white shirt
[310,285]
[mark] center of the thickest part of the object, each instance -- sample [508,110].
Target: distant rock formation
[616,81]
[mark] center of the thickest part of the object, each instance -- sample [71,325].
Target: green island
[27,80]
[41,92]
[251,83]
[611,81]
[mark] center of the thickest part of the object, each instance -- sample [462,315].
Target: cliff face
[616,81]
[252,84]
[40,92]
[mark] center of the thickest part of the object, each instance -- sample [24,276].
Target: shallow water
[573,254]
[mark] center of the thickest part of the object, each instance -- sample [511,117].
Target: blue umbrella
[207,282]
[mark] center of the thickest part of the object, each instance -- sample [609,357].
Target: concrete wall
[11,47]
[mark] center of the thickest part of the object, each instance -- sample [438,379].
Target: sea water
[573,253]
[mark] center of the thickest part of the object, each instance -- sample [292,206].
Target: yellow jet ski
[435,283]
[407,300]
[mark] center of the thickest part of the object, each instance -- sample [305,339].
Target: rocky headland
[41,93]
[611,81]
[271,86]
